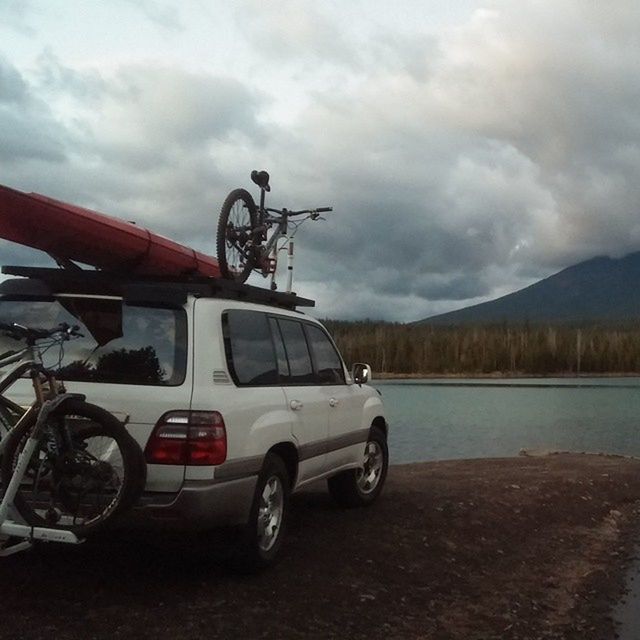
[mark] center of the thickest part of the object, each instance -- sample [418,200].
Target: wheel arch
[380,423]
[289,454]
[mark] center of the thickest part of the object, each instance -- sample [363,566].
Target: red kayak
[73,233]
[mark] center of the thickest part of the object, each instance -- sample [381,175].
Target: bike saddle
[261,178]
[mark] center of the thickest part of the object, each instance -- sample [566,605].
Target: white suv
[236,398]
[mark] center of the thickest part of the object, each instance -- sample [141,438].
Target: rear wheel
[235,238]
[264,532]
[360,487]
[85,469]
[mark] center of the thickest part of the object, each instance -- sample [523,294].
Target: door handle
[296,405]
[333,402]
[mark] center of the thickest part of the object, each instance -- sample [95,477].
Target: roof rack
[171,289]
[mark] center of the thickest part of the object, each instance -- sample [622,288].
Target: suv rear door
[309,408]
[132,360]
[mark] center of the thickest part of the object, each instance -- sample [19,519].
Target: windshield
[122,344]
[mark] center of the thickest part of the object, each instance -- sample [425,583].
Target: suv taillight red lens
[188,438]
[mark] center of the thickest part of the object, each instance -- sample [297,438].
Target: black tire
[234,239]
[252,552]
[64,473]
[349,488]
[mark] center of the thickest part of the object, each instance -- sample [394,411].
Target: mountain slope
[598,290]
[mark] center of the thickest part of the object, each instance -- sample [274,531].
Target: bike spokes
[236,239]
[239,238]
[72,481]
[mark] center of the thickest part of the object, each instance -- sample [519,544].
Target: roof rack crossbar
[200,286]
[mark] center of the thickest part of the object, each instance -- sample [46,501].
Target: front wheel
[85,469]
[236,241]
[360,487]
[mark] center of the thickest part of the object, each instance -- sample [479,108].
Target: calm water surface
[439,419]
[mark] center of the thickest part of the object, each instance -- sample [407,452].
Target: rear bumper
[198,505]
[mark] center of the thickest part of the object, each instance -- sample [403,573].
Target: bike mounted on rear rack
[60,481]
[243,242]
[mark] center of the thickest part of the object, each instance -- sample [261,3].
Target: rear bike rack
[13,529]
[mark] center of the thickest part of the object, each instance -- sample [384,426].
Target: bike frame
[281,222]
[28,361]
[282,226]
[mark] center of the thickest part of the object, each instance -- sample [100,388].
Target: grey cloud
[341,301]
[18,255]
[414,54]
[147,144]
[25,138]
[53,76]
[27,128]
[187,108]
[452,287]
[13,89]
[13,15]
[458,168]
[152,117]
[298,32]
[164,14]
[520,154]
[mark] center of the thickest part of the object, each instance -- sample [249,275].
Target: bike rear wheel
[235,240]
[85,469]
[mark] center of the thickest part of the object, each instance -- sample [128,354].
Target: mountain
[603,290]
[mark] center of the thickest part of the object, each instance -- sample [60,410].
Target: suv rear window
[122,344]
[249,348]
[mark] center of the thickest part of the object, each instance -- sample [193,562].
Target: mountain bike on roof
[250,237]
[68,466]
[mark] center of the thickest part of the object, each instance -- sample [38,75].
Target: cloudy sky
[468,147]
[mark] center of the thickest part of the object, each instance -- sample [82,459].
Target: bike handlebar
[19,332]
[299,213]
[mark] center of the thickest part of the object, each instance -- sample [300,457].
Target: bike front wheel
[236,241]
[85,469]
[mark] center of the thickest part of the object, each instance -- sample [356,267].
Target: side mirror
[361,373]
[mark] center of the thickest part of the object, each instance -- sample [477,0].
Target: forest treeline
[415,349]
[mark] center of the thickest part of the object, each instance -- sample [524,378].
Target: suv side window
[249,349]
[328,364]
[301,370]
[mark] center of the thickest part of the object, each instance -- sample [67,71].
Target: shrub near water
[412,349]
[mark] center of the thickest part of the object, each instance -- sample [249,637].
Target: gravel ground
[521,547]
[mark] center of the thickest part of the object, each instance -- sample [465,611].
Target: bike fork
[290,267]
[16,478]
[273,261]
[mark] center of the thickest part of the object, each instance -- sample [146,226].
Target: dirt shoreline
[525,547]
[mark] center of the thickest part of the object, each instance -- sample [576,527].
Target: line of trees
[415,349]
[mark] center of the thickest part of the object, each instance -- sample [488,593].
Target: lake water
[468,418]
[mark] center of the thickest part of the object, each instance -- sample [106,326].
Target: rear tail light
[188,438]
